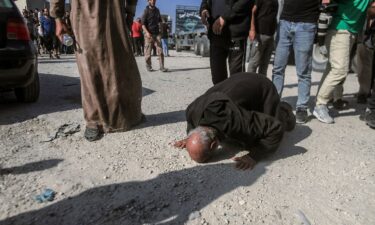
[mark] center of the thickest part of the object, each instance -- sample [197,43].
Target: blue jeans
[300,36]
[164,43]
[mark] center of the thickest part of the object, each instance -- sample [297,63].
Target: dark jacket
[237,17]
[242,108]
[151,19]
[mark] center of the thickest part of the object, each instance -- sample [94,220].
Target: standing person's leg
[165,47]
[303,46]
[338,45]
[268,45]
[254,55]
[49,45]
[142,41]
[138,44]
[281,55]
[135,46]
[56,46]
[111,86]
[218,59]
[370,110]
[237,56]
[364,70]
[160,53]
[148,49]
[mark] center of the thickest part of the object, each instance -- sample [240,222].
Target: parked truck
[190,33]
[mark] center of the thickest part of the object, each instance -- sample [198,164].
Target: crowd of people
[42,31]
[295,29]
[112,90]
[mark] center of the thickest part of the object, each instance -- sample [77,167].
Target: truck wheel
[197,49]
[178,47]
[319,61]
[205,47]
[29,93]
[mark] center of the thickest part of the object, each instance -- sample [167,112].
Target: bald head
[201,143]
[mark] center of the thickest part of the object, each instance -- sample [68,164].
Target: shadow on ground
[353,108]
[188,69]
[287,147]
[31,167]
[162,119]
[169,198]
[57,93]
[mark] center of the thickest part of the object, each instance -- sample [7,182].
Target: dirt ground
[322,174]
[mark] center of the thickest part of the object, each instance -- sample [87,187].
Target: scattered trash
[64,131]
[303,218]
[47,195]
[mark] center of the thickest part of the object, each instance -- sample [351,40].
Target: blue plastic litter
[48,195]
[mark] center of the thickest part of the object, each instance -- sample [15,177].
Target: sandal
[92,134]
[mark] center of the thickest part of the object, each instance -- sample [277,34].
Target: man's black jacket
[242,108]
[237,17]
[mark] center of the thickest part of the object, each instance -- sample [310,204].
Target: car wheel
[205,47]
[29,93]
[178,47]
[196,46]
[319,61]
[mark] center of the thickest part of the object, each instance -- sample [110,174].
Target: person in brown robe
[110,81]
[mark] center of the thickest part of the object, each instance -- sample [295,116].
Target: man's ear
[214,144]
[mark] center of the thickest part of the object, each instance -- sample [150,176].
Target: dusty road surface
[322,174]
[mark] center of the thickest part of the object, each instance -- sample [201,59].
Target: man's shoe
[370,118]
[301,116]
[163,69]
[340,104]
[361,99]
[321,113]
[92,134]
[149,69]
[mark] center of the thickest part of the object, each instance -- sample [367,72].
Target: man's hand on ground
[244,162]
[180,144]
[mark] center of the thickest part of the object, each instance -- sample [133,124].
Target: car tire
[178,47]
[30,93]
[196,46]
[319,61]
[205,47]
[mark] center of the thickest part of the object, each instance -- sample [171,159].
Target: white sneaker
[321,113]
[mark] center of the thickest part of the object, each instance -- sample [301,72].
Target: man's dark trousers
[222,48]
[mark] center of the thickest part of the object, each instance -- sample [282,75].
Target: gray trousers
[260,54]
[364,69]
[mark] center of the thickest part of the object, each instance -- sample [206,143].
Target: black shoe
[361,99]
[370,118]
[301,116]
[92,134]
[163,69]
[340,104]
[149,69]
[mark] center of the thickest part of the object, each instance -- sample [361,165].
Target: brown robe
[110,81]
